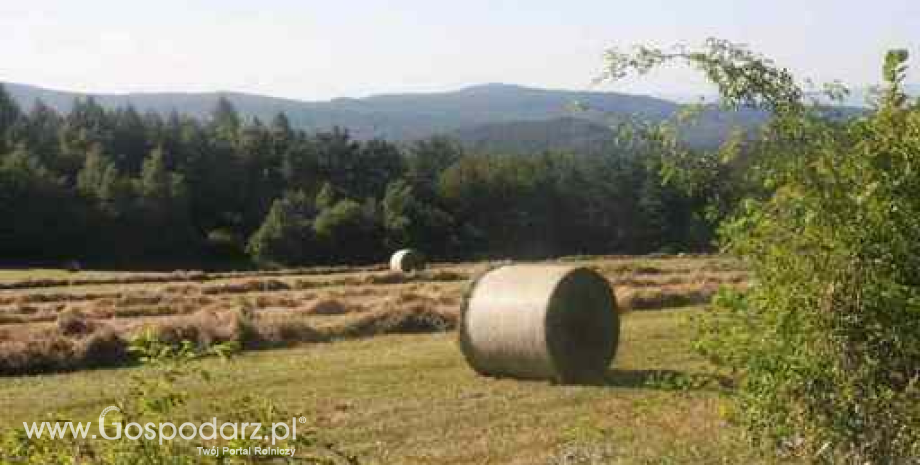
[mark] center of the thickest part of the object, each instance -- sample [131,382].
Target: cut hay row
[157,304]
[54,313]
[128,279]
[697,278]
[77,342]
[278,295]
[632,258]
[668,296]
[641,295]
[57,297]
[629,265]
[183,276]
[280,308]
[652,264]
[647,269]
[306,303]
[237,288]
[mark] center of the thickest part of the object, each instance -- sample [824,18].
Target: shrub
[825,342]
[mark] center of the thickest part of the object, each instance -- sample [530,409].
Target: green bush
[826,342]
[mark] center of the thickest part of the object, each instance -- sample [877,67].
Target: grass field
[411,399]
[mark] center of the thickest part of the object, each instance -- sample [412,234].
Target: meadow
[370,358]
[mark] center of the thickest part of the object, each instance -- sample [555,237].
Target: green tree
[327,196]
[225,121]
[94,167]
[282,135]
[129,143]
[42,134]
[41,219]
[427,159]
[114,192]
[378,163]
[349,231]
[286,235]
[824,343]
[410,222]
[10,115]
[157,185]
[260,174]
[87,125]
[164,223]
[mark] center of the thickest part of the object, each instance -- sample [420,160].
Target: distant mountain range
[489,117]
[521,137]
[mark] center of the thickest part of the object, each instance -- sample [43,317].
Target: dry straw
[540,322]
[406,261]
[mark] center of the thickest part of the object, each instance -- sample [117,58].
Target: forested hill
[401,117]
[529,137]
[112,187]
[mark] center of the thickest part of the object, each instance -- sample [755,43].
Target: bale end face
[540,322]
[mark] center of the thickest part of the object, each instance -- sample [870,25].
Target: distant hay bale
[406,261]
[540,322]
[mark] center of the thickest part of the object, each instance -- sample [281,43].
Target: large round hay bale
[540,322]
[407,260]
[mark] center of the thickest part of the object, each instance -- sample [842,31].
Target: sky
[321,49]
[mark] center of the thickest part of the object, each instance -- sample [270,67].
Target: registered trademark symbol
[302,420]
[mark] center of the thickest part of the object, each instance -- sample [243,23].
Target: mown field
[370,358]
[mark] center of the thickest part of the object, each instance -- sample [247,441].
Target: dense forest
[121,188]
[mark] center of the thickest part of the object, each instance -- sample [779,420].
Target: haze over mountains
[498,117]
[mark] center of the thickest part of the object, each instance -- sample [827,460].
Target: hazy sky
[319,49]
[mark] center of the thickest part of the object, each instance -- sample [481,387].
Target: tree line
[121,188]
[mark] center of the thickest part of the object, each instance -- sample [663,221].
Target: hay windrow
[245,287]
[418,318]
[332,307]
[182,276]
[668,296]
[53,326]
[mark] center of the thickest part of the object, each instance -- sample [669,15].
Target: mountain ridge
[465,113]
[451,110]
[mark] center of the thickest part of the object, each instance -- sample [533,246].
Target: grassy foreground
[413,400]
